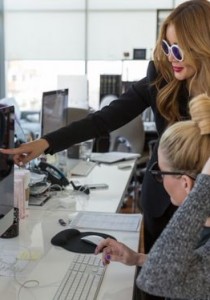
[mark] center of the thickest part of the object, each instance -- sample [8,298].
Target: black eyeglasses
[174,49]
[158,174]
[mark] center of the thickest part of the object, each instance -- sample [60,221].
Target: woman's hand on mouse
[113,250]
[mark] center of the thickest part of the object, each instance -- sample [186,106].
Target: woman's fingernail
[108,257]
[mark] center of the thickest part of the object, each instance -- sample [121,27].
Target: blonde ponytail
[186,145]
[200,112]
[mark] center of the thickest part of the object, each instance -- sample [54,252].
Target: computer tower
[110,85]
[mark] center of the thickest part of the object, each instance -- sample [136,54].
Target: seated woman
[178,265]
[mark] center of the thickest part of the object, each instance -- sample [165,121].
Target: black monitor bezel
[7,220]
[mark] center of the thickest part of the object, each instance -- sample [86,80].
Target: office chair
[106,100]
[129,138]
[76,113]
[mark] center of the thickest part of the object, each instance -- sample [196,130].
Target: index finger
[12,151]
[104,243]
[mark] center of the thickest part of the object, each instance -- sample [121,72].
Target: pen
[62,222]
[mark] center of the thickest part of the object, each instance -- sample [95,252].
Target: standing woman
[180,70]
[182,61]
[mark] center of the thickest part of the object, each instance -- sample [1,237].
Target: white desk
[104,200]
[50,263]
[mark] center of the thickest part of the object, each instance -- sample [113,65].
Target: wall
[79,29]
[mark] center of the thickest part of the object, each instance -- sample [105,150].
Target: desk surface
[46,264]
[103,200]
[49,263]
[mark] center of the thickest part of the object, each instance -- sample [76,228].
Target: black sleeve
[99,124]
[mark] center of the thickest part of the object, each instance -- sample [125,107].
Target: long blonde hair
[186,144]
[191,20]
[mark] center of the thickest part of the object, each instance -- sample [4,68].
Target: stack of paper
[107,221]
[113,157]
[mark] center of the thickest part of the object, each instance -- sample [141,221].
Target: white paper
[107,221]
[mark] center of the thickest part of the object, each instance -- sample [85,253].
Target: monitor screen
[54,115]
[6,168]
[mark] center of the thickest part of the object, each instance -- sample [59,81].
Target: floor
[129,207]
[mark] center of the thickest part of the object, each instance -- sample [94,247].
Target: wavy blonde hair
[186,144]
[191,20]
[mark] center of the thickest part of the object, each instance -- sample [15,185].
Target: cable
[80,188]
[27,284]
[56,187]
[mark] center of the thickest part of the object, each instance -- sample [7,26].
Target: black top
[204,236]
[129,105]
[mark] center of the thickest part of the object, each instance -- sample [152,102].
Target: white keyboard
[82,280]
[82,168]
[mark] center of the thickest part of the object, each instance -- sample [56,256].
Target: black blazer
[129,105]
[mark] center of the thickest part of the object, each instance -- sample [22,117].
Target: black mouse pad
[70,239]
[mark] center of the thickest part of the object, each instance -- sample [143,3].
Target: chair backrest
[76,113]
[128,138]
[107,100]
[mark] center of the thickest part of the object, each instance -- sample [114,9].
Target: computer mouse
[92,239]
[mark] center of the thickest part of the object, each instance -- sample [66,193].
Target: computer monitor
[54,110]
[6,169]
